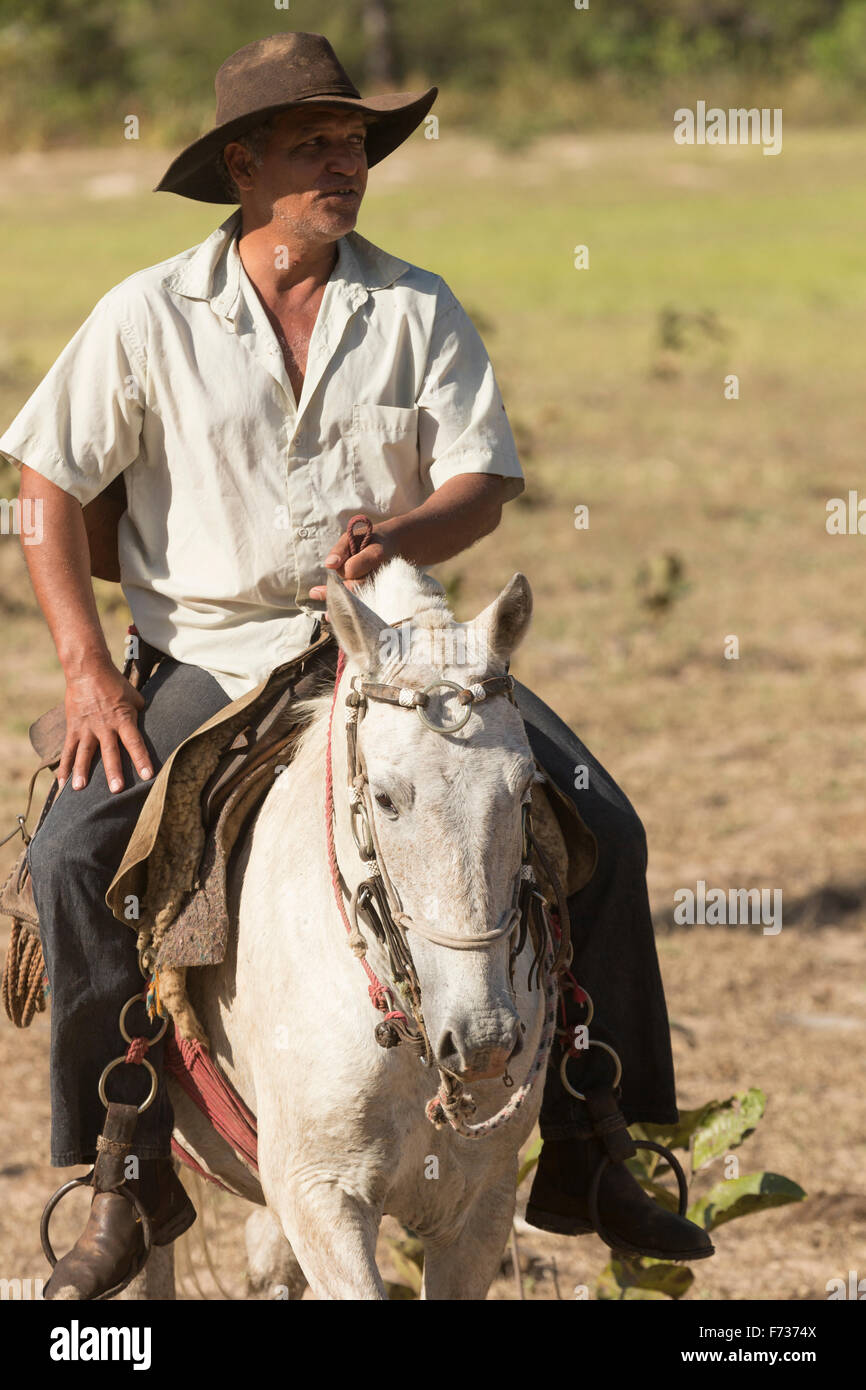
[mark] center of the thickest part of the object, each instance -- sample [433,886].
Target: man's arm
[101,706]
[461,511]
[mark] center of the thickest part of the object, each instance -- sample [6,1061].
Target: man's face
[313,174]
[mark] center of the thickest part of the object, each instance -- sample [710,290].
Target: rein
[376,898]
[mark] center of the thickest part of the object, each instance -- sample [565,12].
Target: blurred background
[72,68]
[706,511]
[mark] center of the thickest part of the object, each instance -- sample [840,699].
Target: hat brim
[195,174]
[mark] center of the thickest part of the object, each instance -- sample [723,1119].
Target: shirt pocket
[385,460]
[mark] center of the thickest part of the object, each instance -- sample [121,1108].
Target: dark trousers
[92,965]
[614,947]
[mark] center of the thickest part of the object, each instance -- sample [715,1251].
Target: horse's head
[445,801]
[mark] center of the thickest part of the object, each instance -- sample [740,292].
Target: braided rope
[23,987]
[137,1051]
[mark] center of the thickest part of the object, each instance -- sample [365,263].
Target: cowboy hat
[277,74]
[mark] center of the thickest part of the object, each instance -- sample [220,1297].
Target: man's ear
[243,167]
[357,628]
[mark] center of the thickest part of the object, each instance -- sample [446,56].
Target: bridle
[377,902]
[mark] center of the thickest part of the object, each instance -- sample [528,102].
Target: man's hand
[353,568]
[461,511]
[102,712]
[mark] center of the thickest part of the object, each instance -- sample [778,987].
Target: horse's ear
[358,629]
[508,617]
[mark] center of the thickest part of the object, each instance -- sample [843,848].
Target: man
[256,392]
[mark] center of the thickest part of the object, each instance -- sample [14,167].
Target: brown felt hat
[276,74]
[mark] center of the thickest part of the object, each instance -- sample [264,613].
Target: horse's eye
[387,805]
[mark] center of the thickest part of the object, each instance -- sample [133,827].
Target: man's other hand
[102,713]
[461,511]
[352,569]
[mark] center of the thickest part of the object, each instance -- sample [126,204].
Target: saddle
[172,884]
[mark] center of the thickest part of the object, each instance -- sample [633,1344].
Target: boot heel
[175,1227]
[556,1223]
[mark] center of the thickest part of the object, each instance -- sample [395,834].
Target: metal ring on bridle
[122,1023]
[443,728]
[566,1057]
[118,1062]
[590,1015]
[364,846]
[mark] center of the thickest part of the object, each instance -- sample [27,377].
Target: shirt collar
[213,270]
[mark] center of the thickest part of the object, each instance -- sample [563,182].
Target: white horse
[343,1136]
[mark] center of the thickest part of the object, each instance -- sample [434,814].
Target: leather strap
[608,1123]
[397,695]
[113,1146]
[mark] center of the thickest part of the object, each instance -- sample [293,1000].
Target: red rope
[356,543]
[381,996]
[137,1051]
[197,1074]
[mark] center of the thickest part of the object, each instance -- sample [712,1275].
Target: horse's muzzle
[475,1063]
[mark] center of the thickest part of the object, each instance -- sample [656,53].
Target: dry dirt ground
[745,1017]
[748,772]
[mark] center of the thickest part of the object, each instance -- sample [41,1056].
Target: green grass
[743,765]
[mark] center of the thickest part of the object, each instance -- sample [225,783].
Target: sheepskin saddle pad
[172,882]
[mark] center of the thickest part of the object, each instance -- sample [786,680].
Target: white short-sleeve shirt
[236,492]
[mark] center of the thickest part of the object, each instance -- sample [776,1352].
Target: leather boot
[111,1249]
[164,1198]
[111,1244]
[108,1251]
[631,1222]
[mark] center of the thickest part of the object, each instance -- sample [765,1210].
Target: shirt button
[302,532]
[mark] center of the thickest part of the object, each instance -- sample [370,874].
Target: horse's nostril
[447,1051]
[476,1060]
[517,1048]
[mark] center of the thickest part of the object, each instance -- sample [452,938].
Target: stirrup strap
[609,1126]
